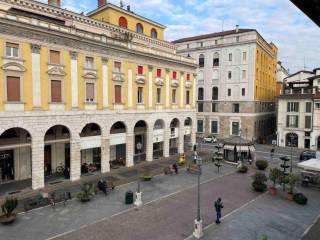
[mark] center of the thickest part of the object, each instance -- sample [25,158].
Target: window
[216,42]
[140,70]
[243,92]
[215,107]
[200,107]
[89,92]
[214,127]
[215,93]
[12,50]
[229,92]
[117,94]
[236,108]
[188,77]
[216,60]
[159,73]
[117,67]
[154,33]
[13,89]
[244,56]
[201,60]
[237,39]
[54,57]
[56,91]
[174,75]
[317,105]
[200,94]
[123,22]
[293,106]
[244,74]
[307,122]
[235,128]
[230,57]
[200,126]
[89,62]
[139,28]
[158,95]
[229,75]
[174,93]
[201,44]
[188,46]
[308,107]
[187,97]
[292,121]
[140,94]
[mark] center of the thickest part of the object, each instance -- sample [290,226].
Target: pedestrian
[218,206]
[102,186]
[175,167]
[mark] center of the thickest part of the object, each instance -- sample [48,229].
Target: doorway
[47,160]
[6,165]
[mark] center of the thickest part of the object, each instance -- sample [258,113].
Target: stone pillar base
[198,231]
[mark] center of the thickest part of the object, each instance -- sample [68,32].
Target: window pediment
[13,66]
[188,84]
[159,82]
[140,80]
[174,83]
[90,75]
[57,71]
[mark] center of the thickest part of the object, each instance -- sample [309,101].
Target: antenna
[304,63]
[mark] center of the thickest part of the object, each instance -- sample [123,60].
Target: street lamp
[239,154]
[138,201]
[198,231]
[291,145]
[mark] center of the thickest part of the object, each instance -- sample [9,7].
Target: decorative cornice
[35,48]
[73,55]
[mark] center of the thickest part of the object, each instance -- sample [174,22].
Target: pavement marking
[133,208]
[230,213]
[309,228]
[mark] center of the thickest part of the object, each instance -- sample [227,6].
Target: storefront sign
[90,142]
[116,139]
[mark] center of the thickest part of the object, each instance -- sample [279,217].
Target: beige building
[84,94]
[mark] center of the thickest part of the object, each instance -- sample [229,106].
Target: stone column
[181,85]
[105,155]
[166,143]
[130,88]
[150,86]
[37,163]
[36,75]
[105,83]
[129,150]
[75,160]
[74,79]
[149,146]
[167,88]
[181,139]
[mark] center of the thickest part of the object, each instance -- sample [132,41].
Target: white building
[299,111]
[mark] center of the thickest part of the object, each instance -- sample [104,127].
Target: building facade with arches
[86,95]
[236,83]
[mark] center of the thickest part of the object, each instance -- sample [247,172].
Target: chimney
[237,28]
[56,3]
[101,3]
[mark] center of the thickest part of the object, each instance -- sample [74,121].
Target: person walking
[218,206]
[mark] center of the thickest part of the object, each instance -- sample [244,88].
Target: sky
[278,21]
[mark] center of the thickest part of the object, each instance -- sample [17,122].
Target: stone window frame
[20,53]
[218,125]
[113,66]
[203,125]
[231,121]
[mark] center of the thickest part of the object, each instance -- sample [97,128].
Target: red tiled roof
[212,35]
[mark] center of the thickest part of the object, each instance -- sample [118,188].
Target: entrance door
[318,144]
[6,165]
[47,160]
[307,143]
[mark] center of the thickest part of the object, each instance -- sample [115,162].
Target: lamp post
[138,201]
[291,146]
[239,154]
[198,231]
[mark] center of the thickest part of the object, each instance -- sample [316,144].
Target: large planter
[273,191]
[8,220]
[290,196]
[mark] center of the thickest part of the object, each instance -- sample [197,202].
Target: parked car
[306,155]
[210,139]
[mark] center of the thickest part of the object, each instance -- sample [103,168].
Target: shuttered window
[13,89]
[89,62]
[54,57]
[140,70]
[173,96]
[117,93]
[174,75]
[90,92]
[117,66]
[56,91]
[159,72]
[188,97]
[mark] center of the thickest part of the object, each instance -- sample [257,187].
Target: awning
[240,148]
[312,165]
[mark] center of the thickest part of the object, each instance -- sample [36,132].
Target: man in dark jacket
[218,206]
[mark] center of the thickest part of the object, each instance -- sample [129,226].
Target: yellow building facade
[80,93]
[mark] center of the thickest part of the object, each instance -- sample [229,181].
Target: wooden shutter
[54,57]
[117,92]
[56,91]
[158,72]
[140,70]
[174,75]
[13,89]
[188,77]
[188,97]
[90,92]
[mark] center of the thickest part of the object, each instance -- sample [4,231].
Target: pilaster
[181,85]
[129,150]
[36,75]
[167,88]
[166,143]
[149,147]
[181,140]
[105,155]
[75,160]
[150,85]
[37,163]
[130,88]
[74,79]
[105,80]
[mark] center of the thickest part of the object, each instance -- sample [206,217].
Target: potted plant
[259,182]
[274,176]
[243,169]
[7,208]
[300,198]
[87,193]
[292,181]
[146,176]
[261,164]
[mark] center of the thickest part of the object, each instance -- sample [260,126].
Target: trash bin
[129,197]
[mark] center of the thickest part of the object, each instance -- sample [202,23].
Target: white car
[210,139]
